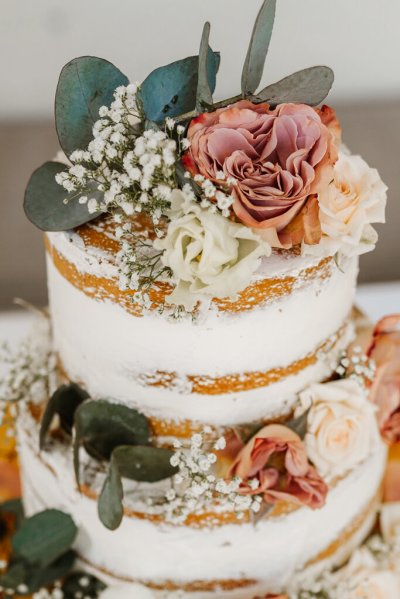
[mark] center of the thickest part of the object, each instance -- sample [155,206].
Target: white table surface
[376,300]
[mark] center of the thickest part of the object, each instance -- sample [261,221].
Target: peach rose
[279,159]
[275,460]
[385,391]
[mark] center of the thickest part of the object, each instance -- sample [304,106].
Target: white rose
[390,521]
[355,198]
[375,584]
[127,591]
[342,427]
[207,253]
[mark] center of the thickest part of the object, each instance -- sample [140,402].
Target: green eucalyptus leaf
[258,48]
[110,508]
[265,508]
[182,180]
[140,463]
[171,90]
[204,94]
[299,424]
[73,588]
[308,86]
[44,201]
[38,578]
[85,84]
[144,463]
[14,507]
[16,574]
[44,537]
[64,402]
[101,426]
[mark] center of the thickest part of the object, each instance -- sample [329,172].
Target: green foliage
[171,90]
[44,537]
[101,426]
[44,201]
[141,463]
[64,402]
[299,424]
[85,84]
[41,552]
[308,86]
[204,95]
[258,48]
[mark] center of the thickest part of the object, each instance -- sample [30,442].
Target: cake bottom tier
[234,560]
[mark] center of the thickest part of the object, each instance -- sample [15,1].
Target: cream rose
[207,253]
[342,427]
[367,579]
[354,199]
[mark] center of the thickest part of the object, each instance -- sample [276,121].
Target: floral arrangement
[222,185]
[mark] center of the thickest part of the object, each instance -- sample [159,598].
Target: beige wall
[370,129]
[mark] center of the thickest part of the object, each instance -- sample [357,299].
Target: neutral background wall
[357,38]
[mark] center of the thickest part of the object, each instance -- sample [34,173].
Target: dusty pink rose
[277,458]
[280,159]
[385,391]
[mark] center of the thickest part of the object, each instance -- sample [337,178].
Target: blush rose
[275,457]
[280,159]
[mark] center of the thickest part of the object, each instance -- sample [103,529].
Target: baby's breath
[197,488]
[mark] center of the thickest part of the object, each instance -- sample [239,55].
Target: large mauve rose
[279,158]
[276,458]
[385,392]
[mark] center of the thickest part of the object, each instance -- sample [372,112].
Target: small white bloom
[92,205]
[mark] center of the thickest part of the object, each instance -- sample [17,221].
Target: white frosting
[141,550]
[109,350]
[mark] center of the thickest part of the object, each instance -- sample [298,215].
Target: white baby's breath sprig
[196,487]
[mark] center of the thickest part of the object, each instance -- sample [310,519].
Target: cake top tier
[222,185]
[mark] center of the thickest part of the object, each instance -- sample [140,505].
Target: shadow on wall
[25,145]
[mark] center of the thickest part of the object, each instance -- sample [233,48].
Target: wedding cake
[203,401]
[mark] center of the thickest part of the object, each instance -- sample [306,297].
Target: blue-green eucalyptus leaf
[204,94]
[171,90]
[109,507]
[258,48]
[85,84]
[44,201]
[308,86]
[64,402]
[44,537]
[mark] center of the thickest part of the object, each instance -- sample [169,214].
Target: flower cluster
[29,370]
[248,178]
[197,488]
[134,170]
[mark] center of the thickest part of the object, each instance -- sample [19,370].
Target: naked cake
[206,413]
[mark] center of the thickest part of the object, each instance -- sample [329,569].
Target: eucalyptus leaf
[64,402]
[140,463]
[16,574]
[204,94]
[38,578]
[44,201]
[110,508]
[299,424]
[171,90]
[258,48]
[265,508]
[308,86]
[14,507]
[144,463]
[44,537]
[182,180]
[85,84]
[101,426]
